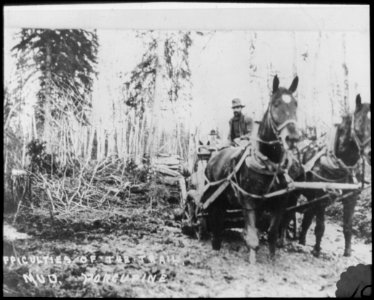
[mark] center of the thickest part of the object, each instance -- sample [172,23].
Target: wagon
[197,214]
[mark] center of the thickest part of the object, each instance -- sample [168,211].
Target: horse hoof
[216,244]
[347,253]
[316,253]
[202,237]
[271,257]
[280,244]
[302,242]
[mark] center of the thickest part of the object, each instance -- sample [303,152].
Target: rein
[349,169]
[231,179]
[276,128]
[361,146]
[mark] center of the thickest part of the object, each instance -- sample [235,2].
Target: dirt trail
[201,272]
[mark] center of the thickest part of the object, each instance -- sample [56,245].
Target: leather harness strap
[228,180]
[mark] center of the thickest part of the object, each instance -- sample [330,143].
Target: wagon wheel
[291,231]
[189,212]
[197,226]
[202,228]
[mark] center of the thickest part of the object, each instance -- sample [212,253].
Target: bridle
[275,128]
[361,145]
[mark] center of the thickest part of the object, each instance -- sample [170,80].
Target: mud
[198,271]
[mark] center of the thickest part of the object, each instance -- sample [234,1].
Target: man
[240,125]
[214,140]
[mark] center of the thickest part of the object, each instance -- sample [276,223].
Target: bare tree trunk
[156,104]
[47,104]
[346,79]
[294,60]
[315,75]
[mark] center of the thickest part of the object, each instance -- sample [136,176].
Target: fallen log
[166,171]
[169,180]
[139,188]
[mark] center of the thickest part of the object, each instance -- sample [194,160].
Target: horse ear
[208,143]
[358,101]
[294,84]
[201,143]
[275,83]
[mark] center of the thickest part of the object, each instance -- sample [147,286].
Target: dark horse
[277,127]
[351,141]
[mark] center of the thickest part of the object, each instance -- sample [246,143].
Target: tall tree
[158,83]
[64,62]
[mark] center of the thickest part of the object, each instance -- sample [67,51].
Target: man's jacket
[245,127]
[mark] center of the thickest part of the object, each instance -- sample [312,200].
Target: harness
[361,145]
[333,162]
[231,179]
[276,128]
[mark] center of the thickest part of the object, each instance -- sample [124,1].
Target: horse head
[361,129]
[279,123]
[282,109]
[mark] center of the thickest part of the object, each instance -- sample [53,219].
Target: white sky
[220,60]
[220,64]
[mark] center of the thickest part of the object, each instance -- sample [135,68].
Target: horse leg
[307,221]
[284,223]
[348,210]
[217,216]
[273,231]
[250,232]
[287,219]
[283,229]
[319,229]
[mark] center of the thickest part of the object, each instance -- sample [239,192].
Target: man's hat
[237,103]
[213,132]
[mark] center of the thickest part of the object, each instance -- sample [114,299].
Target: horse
[277,129]
[351,141]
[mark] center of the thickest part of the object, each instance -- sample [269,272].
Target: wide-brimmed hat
[237,103]
[213,132]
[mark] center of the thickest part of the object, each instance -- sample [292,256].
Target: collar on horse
[332,162]
[261,164]
[360,145]
[231,178]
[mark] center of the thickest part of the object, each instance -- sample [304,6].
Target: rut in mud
[196,271]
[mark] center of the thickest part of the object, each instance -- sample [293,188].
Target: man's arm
[229,135]
[248,126]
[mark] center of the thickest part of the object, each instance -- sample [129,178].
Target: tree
[176,55]
[139,85]
[161,76]
[64,63]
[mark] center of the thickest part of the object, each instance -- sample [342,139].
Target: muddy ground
[191,268]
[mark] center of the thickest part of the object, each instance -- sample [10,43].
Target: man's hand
[235,142]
